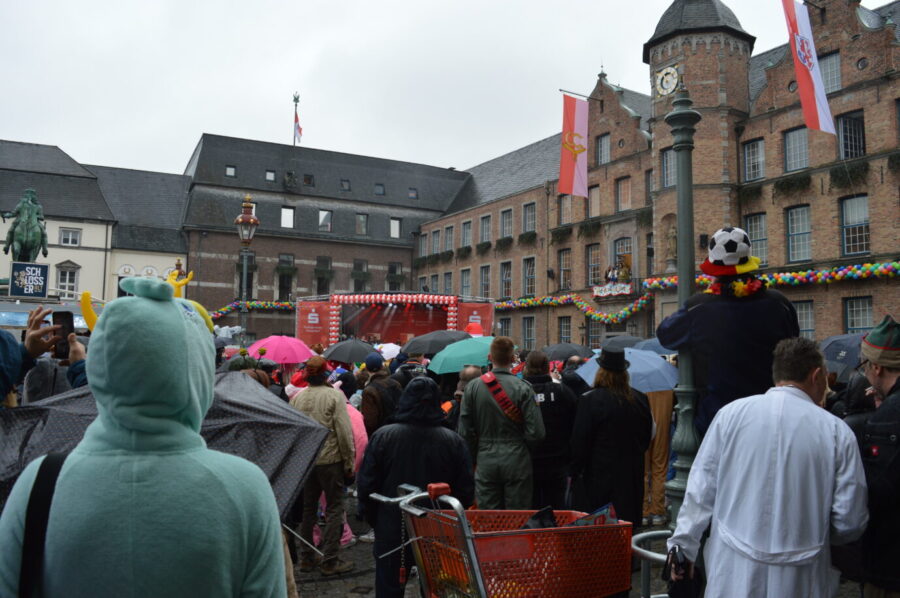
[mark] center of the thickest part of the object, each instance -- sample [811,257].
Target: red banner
[573,151]
[312,322]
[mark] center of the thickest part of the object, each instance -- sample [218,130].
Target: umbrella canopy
[282,349]
[349,351]
[388,350]
[621,342]
[653,344]
[648,371]
[433,342]
[563,351]
[244,419]
[471,351]
[843,351]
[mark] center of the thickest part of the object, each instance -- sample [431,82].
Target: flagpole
[581,95]
[294,129]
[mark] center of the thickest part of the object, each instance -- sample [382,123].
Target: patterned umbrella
[282,349]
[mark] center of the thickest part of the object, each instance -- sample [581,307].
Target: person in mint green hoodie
[142,507]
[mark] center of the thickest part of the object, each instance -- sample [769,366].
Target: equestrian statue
[27,234]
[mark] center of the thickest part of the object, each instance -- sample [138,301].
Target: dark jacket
[379,400]
[76,374]
[575,382]
[14,362]
[609,439]
[557,404]
[881,460]
[417,449]
[407,371]
[732,340]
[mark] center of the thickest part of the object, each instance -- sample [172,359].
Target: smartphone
[66,321]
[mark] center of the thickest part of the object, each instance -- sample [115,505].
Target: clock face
[666,80]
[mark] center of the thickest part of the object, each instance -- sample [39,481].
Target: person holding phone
[17,359]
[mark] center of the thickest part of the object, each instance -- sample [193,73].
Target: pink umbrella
[282,349]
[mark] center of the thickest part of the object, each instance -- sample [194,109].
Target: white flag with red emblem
[816,112]
[298,130]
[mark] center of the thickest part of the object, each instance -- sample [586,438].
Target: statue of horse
[26,235]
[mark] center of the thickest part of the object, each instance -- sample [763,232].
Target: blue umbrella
[653,344]
[843,351]
[648,371]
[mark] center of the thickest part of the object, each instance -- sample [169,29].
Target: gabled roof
[695,15]
[33,157]
[889,14]
[523,169]
[436,187]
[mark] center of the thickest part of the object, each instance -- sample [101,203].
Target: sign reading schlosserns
[28,280]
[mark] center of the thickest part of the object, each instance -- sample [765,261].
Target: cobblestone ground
[361,581]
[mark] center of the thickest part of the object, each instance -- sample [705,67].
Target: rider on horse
[23,233]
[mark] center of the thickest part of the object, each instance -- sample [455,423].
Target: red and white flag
[816,112]
[298,130]
[573,153]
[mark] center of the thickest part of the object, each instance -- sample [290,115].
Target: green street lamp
[246,225]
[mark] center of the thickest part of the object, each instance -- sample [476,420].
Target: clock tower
[700,44]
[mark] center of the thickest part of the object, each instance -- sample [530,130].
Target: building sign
[29,280]
[612,289]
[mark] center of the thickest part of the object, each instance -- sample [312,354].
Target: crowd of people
[145,507]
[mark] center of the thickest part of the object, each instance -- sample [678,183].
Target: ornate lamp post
[246,224]
[686,441]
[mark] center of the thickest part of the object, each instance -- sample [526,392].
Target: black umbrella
[623,341]
[349,351]
[433,342]
[244,420]
[563,351]
[843,351]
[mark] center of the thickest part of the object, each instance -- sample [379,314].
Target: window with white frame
[436,241]
[796,149]
[506,218]
[465,282]
[858,314]
[423,244]
[395,228]
[230,171]
[755,226]
[622,251]
[505,280]
[851,135]
[593,204]
[806,318]
[448,283]
[67,281]
[466,234]
[667,167]
[564,263]
[362,224]
[830,69]
[602,148]
[754,160]
[448,238]
[287,217]
[528,217]
[484,279]
[855,225]
[594,272]
[270,176]
[70,237]
[799,232]
[528,276]
[564,328]
[623,194]
[564,209]
[485,231]
[504,327]
[595,333]
[528,333]
[325,217]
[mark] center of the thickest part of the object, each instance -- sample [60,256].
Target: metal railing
[648,558]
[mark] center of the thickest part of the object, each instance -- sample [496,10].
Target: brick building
[810,200]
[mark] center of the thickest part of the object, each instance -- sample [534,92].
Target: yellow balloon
[87,311]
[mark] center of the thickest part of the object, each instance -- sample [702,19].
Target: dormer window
[309,180]
[345,184]
[270,176]
[230,171]
[379,188]
[413,193]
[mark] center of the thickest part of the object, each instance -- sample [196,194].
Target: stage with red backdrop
[387,317]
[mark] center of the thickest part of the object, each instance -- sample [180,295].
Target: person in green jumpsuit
[499,441]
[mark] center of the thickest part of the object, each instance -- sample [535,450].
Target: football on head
[729,246]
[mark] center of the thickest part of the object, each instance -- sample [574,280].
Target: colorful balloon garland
[827,276]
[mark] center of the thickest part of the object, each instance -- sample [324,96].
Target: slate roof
[65,189]
[436,186]
[881,16]
[148,207]
[695,15]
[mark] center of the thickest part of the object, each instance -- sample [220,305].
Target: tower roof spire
[696,15]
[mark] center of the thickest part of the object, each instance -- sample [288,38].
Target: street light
[246,224]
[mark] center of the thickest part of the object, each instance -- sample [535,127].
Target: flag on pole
[816,112]
[298,130]
[573,153]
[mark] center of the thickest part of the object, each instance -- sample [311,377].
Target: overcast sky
[135,83]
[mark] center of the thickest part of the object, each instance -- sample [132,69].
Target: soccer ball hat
[729,253]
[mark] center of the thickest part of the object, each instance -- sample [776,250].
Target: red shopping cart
[485,554]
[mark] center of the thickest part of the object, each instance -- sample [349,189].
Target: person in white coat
[777,480]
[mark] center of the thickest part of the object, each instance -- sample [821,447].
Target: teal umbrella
[455,356]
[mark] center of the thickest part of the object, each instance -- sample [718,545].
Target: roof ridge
[500,157]
[90,166]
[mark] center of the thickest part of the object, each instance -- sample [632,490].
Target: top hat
[613,360]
